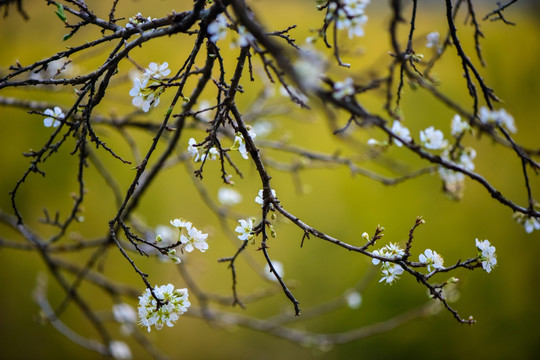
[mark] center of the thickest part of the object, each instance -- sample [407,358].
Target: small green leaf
[60,12]
[67,36]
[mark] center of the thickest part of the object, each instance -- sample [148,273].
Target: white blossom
[259,198]
[244,38]
[349,16]
[390,272]
[262,128]
[181,224]
[174,302]
[157,71]
[431,258]
[229,197]
[278,267]
[459,126]
[433,139]
[245,229]
[53,118]
[218,28]
[466,158]
[402,132]
[119,350]
[124,313]
[137,20]
[195,239]
[354,300]
[433,40]
[192,149]
[343,89]
[356,26]
[211,154]
[240,144]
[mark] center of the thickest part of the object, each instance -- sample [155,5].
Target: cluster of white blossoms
[343,89]
[431,258]
[349,15]
[486,254]
[190,236]
[499,117]
[390,271]
[148,88]
[172,303]
[54,117]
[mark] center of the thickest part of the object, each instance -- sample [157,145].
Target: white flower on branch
[343,89]
[431,258]
[459,126]
[487,255]
[259,198]
[433,139]
[229,197]
[119,350]
[192,149]
[356,27]
[499,117]
[137,20]
[181,224]
[53,117]
[212,154]
[173,303]
[433,40]
[240,144]
[400,131]
[218,28]
[390,272]
[156,71]
[195,239]
[245,229]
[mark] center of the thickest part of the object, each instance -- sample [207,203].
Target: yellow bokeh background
[504,302]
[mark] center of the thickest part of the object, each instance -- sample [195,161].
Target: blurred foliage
[504,302]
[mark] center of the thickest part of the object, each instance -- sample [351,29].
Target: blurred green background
[503,302]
